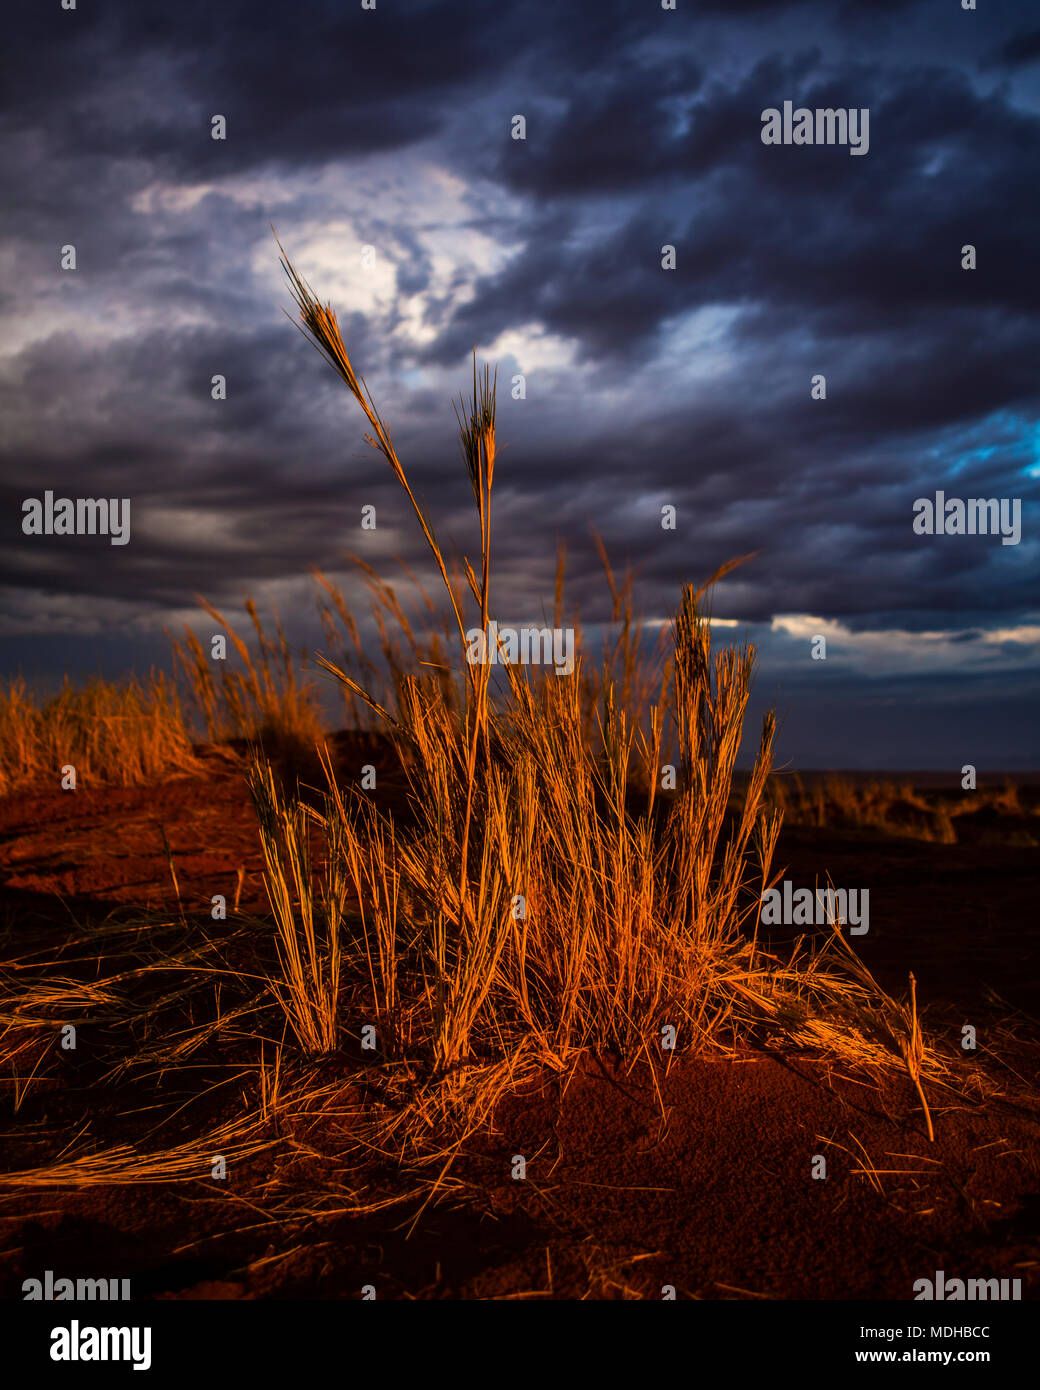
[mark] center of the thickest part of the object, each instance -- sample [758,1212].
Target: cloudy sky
[390,128]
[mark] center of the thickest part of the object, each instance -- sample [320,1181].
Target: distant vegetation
[1002,813]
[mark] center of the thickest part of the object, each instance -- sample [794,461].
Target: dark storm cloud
[1020,49]
[790,227]
[297,84]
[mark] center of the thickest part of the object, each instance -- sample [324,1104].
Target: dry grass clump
[130,734]
[547,913]
[265,699]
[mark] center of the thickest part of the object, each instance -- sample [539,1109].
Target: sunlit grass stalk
[308,927]
[319,322]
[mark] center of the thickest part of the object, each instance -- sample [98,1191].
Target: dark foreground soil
[699,1176]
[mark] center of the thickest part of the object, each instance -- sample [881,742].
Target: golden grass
[264,699]
[131,734]
[309,953]
[141,730]
[549,914]
[124,1166]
